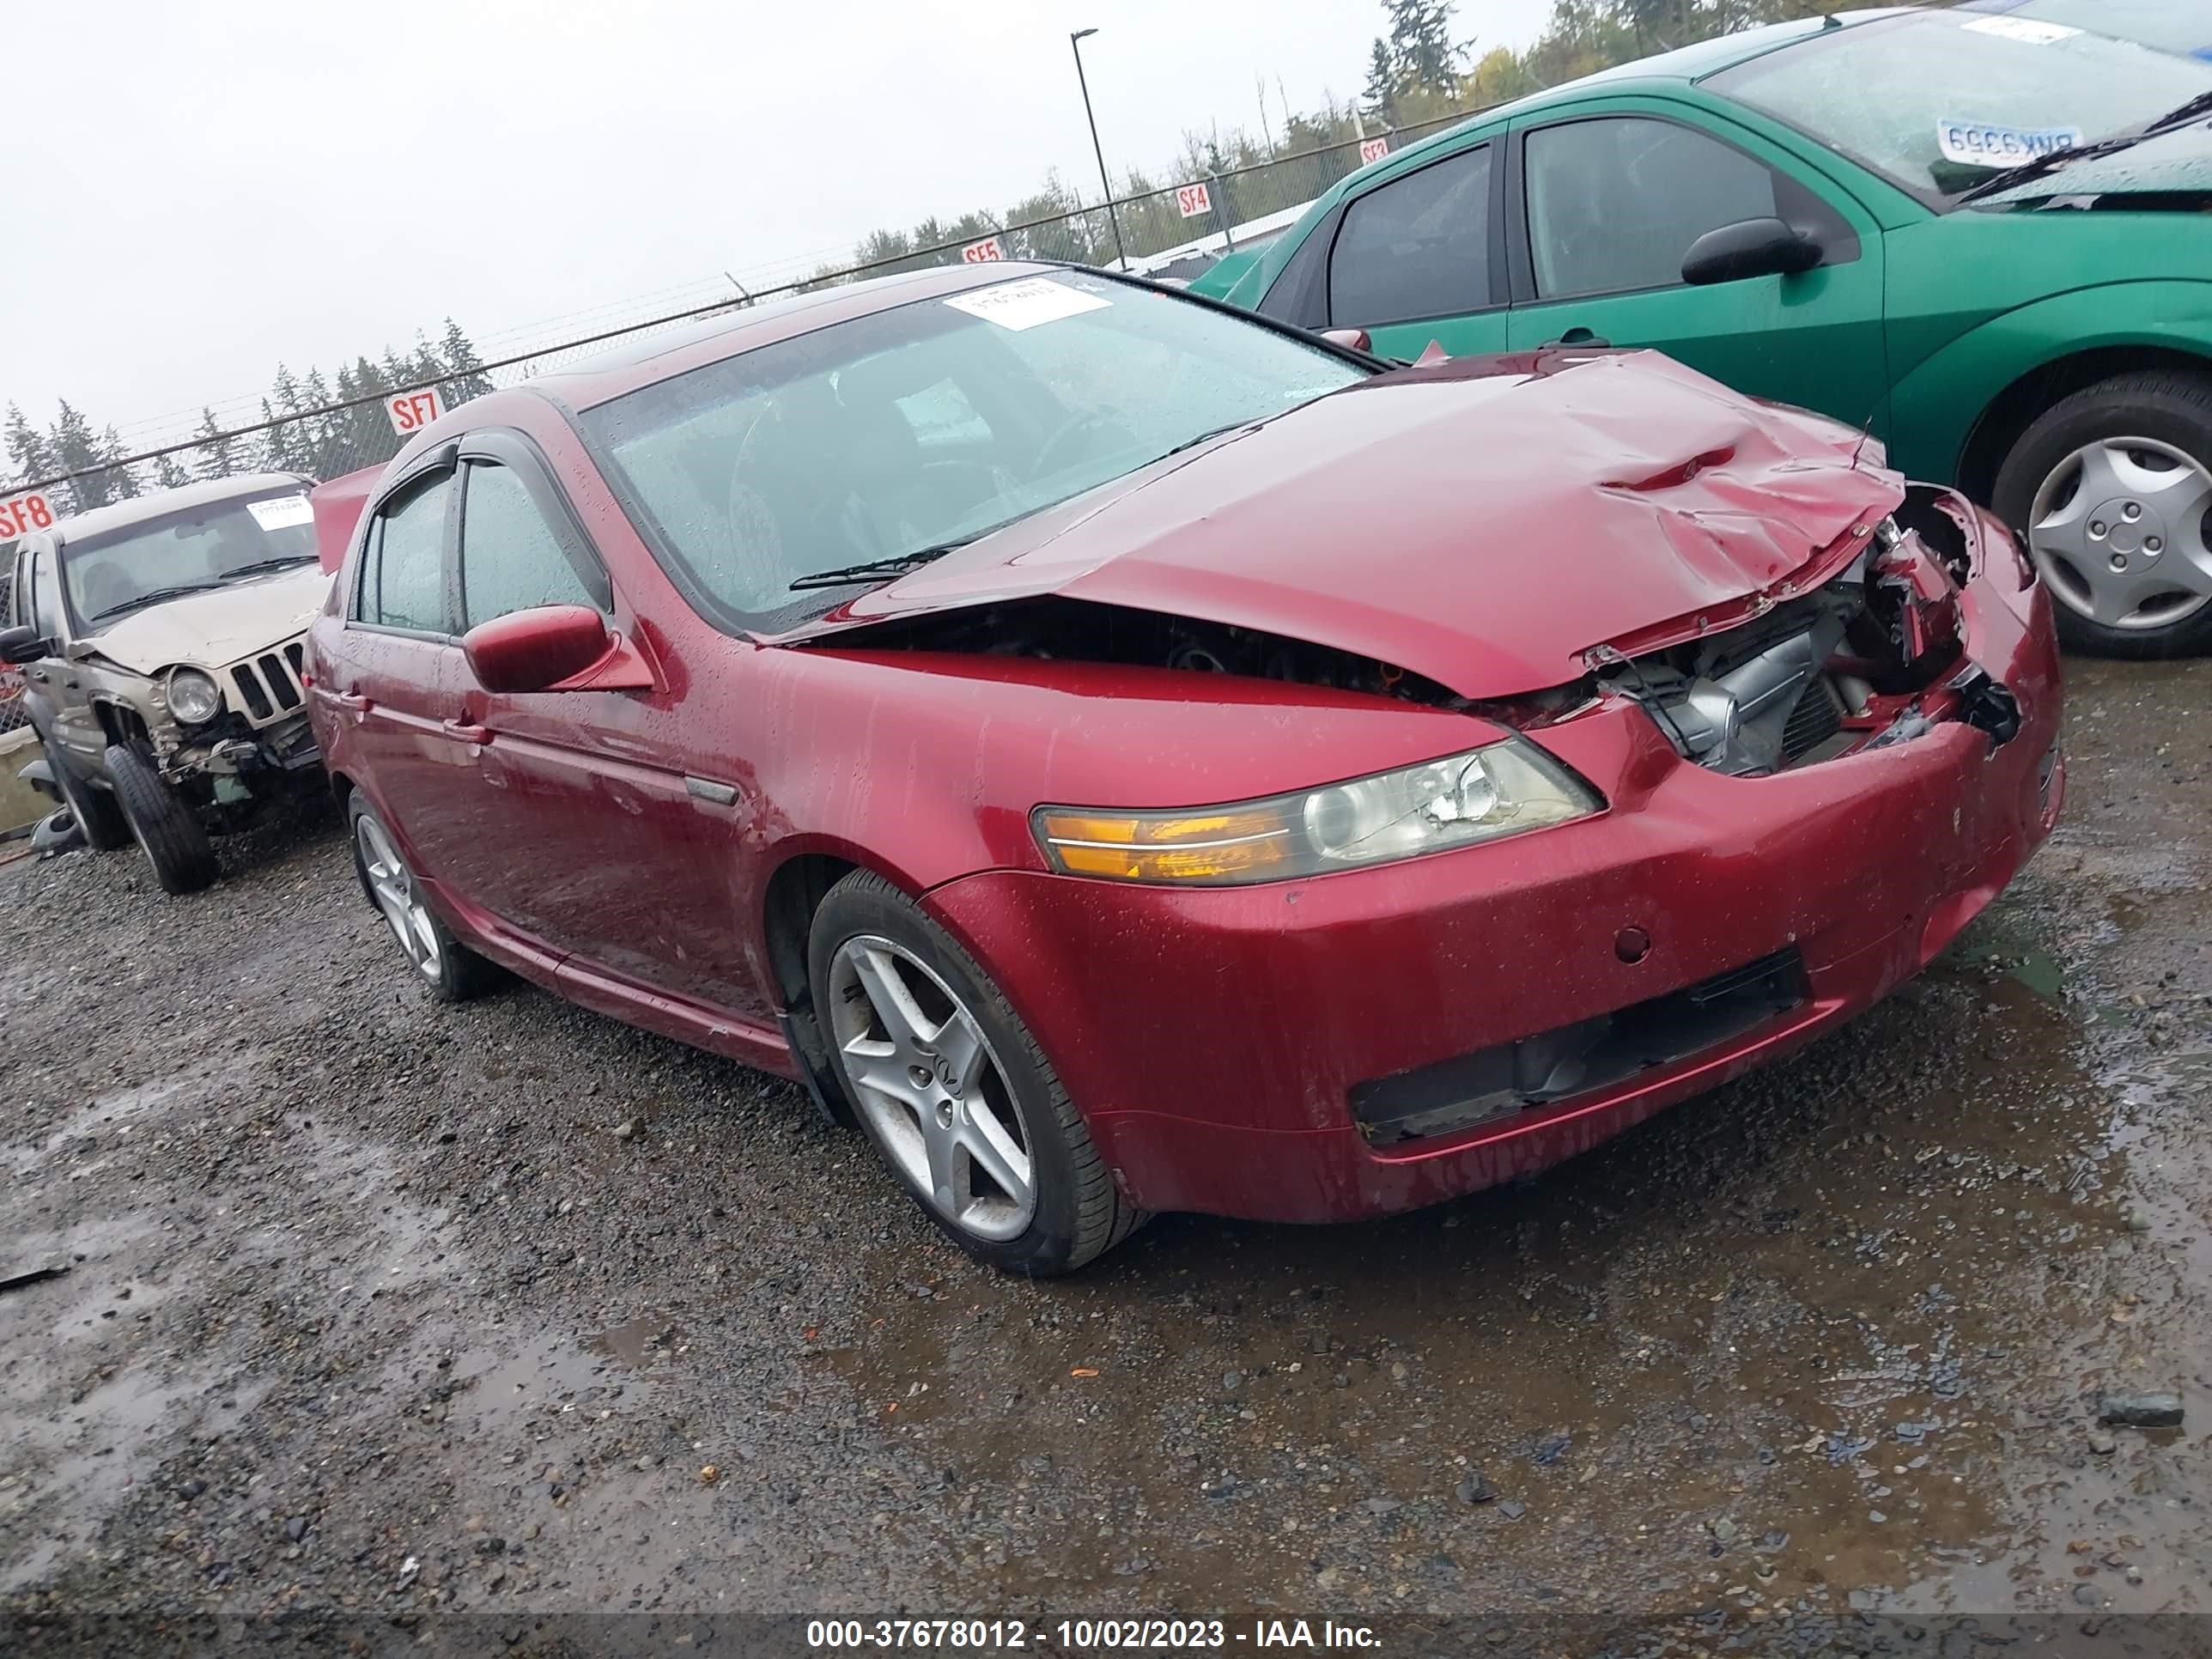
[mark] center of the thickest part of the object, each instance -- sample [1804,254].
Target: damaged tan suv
[160,641]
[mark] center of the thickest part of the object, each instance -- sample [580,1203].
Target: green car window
[1614,204]
[1418,246]
[1940,100]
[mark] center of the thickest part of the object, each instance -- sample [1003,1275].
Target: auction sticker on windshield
[2025,30]
[282,513]
[1028,302]
[1980,145]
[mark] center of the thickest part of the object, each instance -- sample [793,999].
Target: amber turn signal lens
[1240,845]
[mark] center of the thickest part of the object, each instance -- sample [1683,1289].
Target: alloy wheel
[391,884]
[2119,531]
[922,1071]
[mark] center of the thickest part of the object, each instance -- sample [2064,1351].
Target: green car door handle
[1580,337]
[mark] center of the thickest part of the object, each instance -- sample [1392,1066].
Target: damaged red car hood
[1484,524]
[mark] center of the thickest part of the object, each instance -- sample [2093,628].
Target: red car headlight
[1502,789]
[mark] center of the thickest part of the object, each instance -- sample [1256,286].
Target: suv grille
[270,682]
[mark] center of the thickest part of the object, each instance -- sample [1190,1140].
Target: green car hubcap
[2119,531]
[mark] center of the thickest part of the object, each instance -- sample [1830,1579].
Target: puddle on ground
[1799,1328]
[647,1340]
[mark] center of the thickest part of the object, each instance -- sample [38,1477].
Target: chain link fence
[1172,232]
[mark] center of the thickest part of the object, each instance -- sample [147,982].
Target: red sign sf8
[20,514]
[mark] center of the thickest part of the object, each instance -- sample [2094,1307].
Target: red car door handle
[352,703]
[463,732]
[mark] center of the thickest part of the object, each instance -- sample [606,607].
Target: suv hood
[1484,524]
[218,626]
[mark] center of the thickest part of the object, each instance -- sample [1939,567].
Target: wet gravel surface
[379,1311]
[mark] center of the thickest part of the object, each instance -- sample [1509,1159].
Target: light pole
[1075,44]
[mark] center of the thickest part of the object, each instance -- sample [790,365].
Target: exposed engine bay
[1825,673]
[1083,630]
[1836,670]
[1873,657]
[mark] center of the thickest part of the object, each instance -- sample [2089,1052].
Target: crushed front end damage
[1873,656]
[1805,802]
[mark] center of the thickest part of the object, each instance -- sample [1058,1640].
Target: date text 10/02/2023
[1085,1635]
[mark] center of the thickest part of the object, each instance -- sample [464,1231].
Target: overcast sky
[201,189]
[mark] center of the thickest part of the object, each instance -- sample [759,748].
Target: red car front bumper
[1214,1038]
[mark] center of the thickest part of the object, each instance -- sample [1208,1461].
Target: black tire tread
[165,826]
[462,974]
[97,815]
[2169,397]
[1103,1218]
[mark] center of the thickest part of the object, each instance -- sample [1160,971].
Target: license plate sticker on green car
[1983,144]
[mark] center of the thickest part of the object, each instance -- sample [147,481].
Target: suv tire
[98,819]
[1073,1212]
[2158,425]
[163,822]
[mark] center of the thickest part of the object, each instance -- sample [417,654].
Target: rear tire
[2139,444]
[98,817]
[448,969]
[1005,1109]
[164,823]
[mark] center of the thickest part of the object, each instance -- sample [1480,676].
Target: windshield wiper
[2200,104]
[1208,436]
[155,597]
[2030,170]
[260,566]
[2050,161]
[897,564]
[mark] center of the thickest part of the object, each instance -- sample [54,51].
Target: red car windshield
[1940,101]
[929,423]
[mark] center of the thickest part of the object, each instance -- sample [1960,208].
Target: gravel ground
[381,1312]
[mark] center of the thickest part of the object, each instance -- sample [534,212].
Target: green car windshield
[1940,101]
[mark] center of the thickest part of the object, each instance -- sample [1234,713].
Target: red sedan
[1126,756]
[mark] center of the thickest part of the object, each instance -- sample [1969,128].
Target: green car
[1987,238]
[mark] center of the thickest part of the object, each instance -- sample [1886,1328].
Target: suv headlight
[194,697]
[1504,789]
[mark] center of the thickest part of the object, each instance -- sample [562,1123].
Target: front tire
[948,1082]
[2111,490]
[163,822]
[448,969]
[97,815]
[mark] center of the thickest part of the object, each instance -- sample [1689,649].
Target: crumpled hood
[219,627]
[1482,528]
[2174,168]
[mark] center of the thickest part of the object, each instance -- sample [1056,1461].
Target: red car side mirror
[536,650]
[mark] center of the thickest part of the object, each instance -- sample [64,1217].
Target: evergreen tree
[280,442]
[215,455]
[319,443]
[122,481]
[77,453]
[463,364]
[1382,95]
[1420,46]
[28,453]
[168,473]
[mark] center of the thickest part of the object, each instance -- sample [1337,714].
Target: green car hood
[1217,279]
[2176,165]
